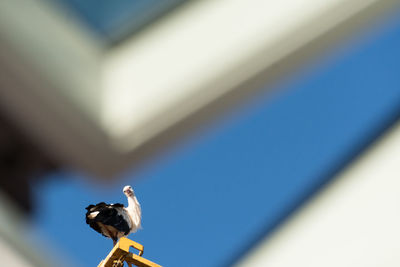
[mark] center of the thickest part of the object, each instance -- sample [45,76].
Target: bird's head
[128,191]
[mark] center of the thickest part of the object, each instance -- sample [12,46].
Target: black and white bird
[116,220]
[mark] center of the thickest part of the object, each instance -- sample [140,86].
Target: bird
[116,220]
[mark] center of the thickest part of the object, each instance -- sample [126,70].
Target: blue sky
[114,20]
[210,198]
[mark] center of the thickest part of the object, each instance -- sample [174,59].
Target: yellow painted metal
[120,254]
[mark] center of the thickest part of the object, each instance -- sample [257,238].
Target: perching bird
[115,220]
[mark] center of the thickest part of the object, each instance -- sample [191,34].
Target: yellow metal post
[120,254]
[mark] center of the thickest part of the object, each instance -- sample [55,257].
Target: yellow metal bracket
[120,254]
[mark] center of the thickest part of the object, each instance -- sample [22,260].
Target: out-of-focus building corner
[68,98]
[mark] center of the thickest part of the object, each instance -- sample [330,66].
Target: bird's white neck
[134,210]
[132,201]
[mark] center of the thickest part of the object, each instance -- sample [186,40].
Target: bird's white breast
[135,214]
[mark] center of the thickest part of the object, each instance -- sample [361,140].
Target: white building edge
[352,222]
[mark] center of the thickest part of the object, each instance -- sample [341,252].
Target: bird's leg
[114,242]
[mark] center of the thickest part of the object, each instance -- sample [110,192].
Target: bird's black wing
[108,214]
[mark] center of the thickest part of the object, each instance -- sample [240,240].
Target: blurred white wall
[19,247]
[354,222]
